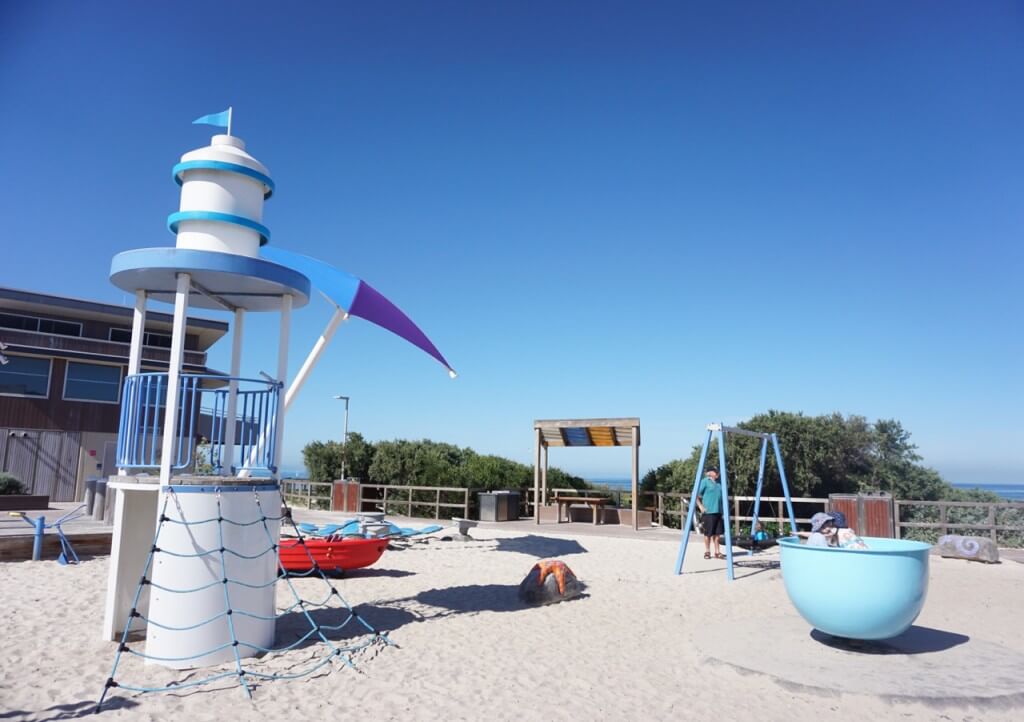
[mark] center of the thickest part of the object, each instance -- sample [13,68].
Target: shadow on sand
[916,640]
[73,710]
[540,546]
[447,602]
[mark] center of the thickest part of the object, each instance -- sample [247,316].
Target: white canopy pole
[337,317]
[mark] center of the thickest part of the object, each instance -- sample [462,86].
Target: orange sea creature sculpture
[549,581]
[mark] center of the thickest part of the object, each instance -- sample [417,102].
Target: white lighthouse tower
[218,532]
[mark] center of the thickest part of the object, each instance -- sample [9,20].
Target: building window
[92,382]
[149,338]
[40,325]
[25,376]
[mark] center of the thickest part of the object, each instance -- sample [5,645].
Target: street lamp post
[344,443]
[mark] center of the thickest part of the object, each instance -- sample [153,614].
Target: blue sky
[682,212]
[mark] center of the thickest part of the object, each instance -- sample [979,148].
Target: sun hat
[839,518]
[819,520]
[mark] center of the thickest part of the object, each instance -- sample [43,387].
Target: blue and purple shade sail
[356,297]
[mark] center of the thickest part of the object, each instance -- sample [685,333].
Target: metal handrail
[143,407]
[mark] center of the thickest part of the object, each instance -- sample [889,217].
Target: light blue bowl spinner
[875,593]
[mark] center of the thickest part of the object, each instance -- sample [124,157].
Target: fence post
[465,504]
[944,519]
[736,514]
[661,510]
[992,524]
[409,511]
[437,504]
[896,528]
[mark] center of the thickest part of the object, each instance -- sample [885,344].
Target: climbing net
[242,668]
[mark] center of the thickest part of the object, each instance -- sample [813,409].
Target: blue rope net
[243,671]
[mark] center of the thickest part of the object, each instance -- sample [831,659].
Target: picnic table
[564,502]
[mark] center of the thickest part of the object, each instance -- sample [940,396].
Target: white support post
[634,484]
[228,457]
[174,376]
[544,474]
[135,355]
[536,475]
[282,376]
[138,333]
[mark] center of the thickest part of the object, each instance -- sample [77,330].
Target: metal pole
[693,505]
[37,541]
[344,441]
[760,484]
[785,484]
[725,505]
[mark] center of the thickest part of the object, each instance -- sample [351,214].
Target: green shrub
[10,485]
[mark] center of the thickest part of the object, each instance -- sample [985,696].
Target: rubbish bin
[99,503]
[90,494]
[513,505]
[498,505]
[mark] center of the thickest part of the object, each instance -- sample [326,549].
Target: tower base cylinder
[217,551]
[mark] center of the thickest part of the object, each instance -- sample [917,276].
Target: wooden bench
[564,502]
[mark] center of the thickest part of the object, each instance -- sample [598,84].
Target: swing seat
[873,593]
[751,544]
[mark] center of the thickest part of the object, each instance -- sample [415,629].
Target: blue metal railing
[202,413]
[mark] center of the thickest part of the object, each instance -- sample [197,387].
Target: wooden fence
[308,494]
[388,496]
[669,509]
[987,522]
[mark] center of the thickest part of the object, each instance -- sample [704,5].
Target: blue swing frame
[720,432]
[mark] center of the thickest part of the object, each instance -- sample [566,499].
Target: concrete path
[931,666]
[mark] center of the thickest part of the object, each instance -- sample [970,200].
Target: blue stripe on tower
[175,218]
[179,169]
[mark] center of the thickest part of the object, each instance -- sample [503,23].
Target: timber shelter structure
[584,432]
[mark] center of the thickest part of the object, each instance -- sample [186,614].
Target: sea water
[1010,492]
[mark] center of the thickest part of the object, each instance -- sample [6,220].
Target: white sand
[642,644]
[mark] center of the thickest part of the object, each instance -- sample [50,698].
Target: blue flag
[222,119]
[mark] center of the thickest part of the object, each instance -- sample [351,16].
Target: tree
[823,455]
[322,460]
[358,454]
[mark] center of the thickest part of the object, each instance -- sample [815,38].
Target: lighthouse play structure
[194,560]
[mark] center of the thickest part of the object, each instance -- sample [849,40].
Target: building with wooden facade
[62,365]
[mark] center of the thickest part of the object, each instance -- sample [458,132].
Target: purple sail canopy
[356,297]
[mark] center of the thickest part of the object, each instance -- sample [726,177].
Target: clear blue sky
[682,212]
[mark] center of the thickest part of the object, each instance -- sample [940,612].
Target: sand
[641,643]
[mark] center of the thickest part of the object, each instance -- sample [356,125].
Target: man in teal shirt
[709,501]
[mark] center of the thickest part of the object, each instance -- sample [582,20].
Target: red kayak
[332,554]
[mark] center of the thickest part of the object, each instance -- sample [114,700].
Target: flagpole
[229,120]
